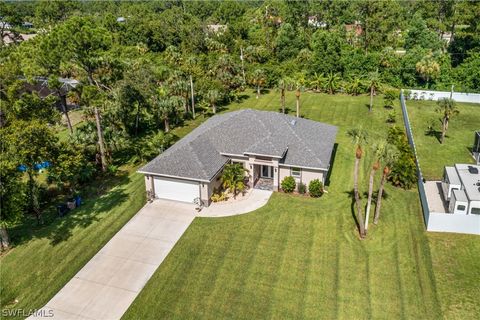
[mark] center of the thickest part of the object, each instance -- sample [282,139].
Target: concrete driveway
[106,286]
[253,200]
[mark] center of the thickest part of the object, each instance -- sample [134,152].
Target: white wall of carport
[148,183]
[306,176]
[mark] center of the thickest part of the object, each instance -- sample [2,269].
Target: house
[313,22]
[217,28]
[10,37]
[27,25]
[40,86]
[269,145]
[476,147]
[461,189]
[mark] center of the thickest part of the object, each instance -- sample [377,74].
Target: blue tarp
[38,166]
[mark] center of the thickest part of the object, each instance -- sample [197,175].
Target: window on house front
[475,211]
[296,172]
[460,208]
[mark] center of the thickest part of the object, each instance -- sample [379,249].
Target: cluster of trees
[394,156]
[145,67]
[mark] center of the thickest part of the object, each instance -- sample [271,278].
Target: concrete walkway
[106,286]
[253,200]
[434,193]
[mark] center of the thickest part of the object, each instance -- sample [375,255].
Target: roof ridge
[302,142]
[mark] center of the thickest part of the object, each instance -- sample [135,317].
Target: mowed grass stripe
[291,285]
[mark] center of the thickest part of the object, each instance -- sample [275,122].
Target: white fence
[436,95]
[458,223]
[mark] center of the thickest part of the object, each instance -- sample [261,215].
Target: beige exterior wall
[206,189]
[307,175]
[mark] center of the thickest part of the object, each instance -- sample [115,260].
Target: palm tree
[213,96]
[232,178]
[388,156]
[56,86]
[331,82]
[166,104]
[359,137]
[378,151]
[317,81]
[447,108]
[373,85]
[428,68]
[389,97]
[258,80]
[355,86]
[180,87]
[282,86]
[298,90]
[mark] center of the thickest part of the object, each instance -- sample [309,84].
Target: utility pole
[243,67]
[192,95]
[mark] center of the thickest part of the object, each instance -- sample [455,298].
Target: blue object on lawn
[38,166]
[78,201]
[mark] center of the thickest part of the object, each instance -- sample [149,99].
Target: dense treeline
[145,67]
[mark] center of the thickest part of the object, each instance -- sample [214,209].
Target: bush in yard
[288,184]
[302,188]
[315,188]
[403,171]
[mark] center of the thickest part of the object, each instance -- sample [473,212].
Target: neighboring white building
[476,147]
[461,189]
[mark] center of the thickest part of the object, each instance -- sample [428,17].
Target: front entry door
[267,172]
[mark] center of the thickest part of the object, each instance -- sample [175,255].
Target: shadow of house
[332,163]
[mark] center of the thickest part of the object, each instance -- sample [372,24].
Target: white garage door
[176,189]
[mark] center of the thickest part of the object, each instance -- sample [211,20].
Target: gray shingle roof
[301,142]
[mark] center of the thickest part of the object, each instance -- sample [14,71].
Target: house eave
[302,167]
[171,176]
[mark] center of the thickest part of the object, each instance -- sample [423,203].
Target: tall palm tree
[373,85]
[166,105]
[282,86]
[56,86]
[388,156]
[359,137]
[258,79]
[331,82]
[298,91]
[378,151]
[180,87]
[447,108]
[213,96]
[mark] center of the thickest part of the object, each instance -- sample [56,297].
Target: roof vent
[293,122]
[472,170]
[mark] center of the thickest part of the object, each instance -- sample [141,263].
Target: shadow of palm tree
[351,195]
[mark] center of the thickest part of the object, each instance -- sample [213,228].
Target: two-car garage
[176,189]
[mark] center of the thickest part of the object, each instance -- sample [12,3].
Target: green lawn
[432,155]
[46,258]
[294,258]
[301,257]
